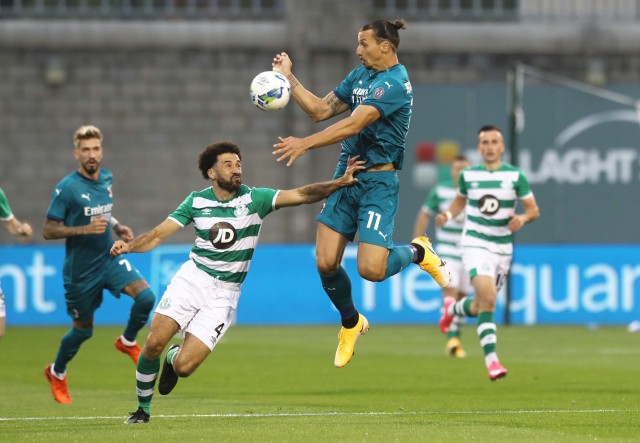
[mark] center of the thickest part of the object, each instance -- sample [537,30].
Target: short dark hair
[486,128]
[460,158]
[209,156]
[386,30]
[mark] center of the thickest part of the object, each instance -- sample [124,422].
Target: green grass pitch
[278,384]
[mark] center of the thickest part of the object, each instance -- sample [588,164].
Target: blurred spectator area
[511,10]
[427,10]
[142,9]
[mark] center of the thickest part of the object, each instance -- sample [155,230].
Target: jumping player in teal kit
[81,212]
[379,97]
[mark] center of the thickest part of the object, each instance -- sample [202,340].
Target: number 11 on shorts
[372,216]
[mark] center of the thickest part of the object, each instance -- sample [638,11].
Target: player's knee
[371,273]
[152,349]
[485,305]
[184,368]
[83,333]
[325,267]
[146,298]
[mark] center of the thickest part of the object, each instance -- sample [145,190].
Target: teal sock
[338,288]
[146,375]
[69,346]
[142,306]
[399,258]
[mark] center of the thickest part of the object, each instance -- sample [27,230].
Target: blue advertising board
[551,284]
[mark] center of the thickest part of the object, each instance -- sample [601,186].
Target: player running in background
[490,193]
[379,99]
[202,297]
[448,246]
[17,228]
[81,212]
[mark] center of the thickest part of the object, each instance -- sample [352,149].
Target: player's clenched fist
[119,248]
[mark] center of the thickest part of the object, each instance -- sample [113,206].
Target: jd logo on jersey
[222,235]
[488,205]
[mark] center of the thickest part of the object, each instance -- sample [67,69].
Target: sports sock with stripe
[146,375]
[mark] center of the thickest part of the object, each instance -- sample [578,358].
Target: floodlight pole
[515,78]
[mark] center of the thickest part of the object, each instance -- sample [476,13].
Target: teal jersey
[76,201]
[226,231]
[5,209]
[389,91]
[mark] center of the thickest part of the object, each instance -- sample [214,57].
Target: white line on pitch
[335,413]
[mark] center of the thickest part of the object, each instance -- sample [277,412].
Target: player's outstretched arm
[319,109]
[147,241]
[292,147]
[317,191]
[18,228]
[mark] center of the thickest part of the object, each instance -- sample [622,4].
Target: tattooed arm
[319,109]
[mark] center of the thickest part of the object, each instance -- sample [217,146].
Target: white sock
[57,375]
[127,342]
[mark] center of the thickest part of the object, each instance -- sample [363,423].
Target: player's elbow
[532,213]
[535,215]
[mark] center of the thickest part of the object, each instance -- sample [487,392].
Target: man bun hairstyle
[386,30]
[209,156]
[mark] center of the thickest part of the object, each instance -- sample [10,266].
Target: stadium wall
[161,90]
[574,284]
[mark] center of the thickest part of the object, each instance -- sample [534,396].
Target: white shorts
[200,304]
[482,262]
[459,277]
[3,309]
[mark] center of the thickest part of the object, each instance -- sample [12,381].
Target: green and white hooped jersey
[448,236]
[226,231]
[492,197]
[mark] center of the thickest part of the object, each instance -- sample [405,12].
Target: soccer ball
[270,91]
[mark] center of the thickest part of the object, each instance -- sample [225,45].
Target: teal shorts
[369,207]
[84,298]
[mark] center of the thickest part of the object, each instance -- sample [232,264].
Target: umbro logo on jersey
[507,184]
[86,196]
[206,211]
